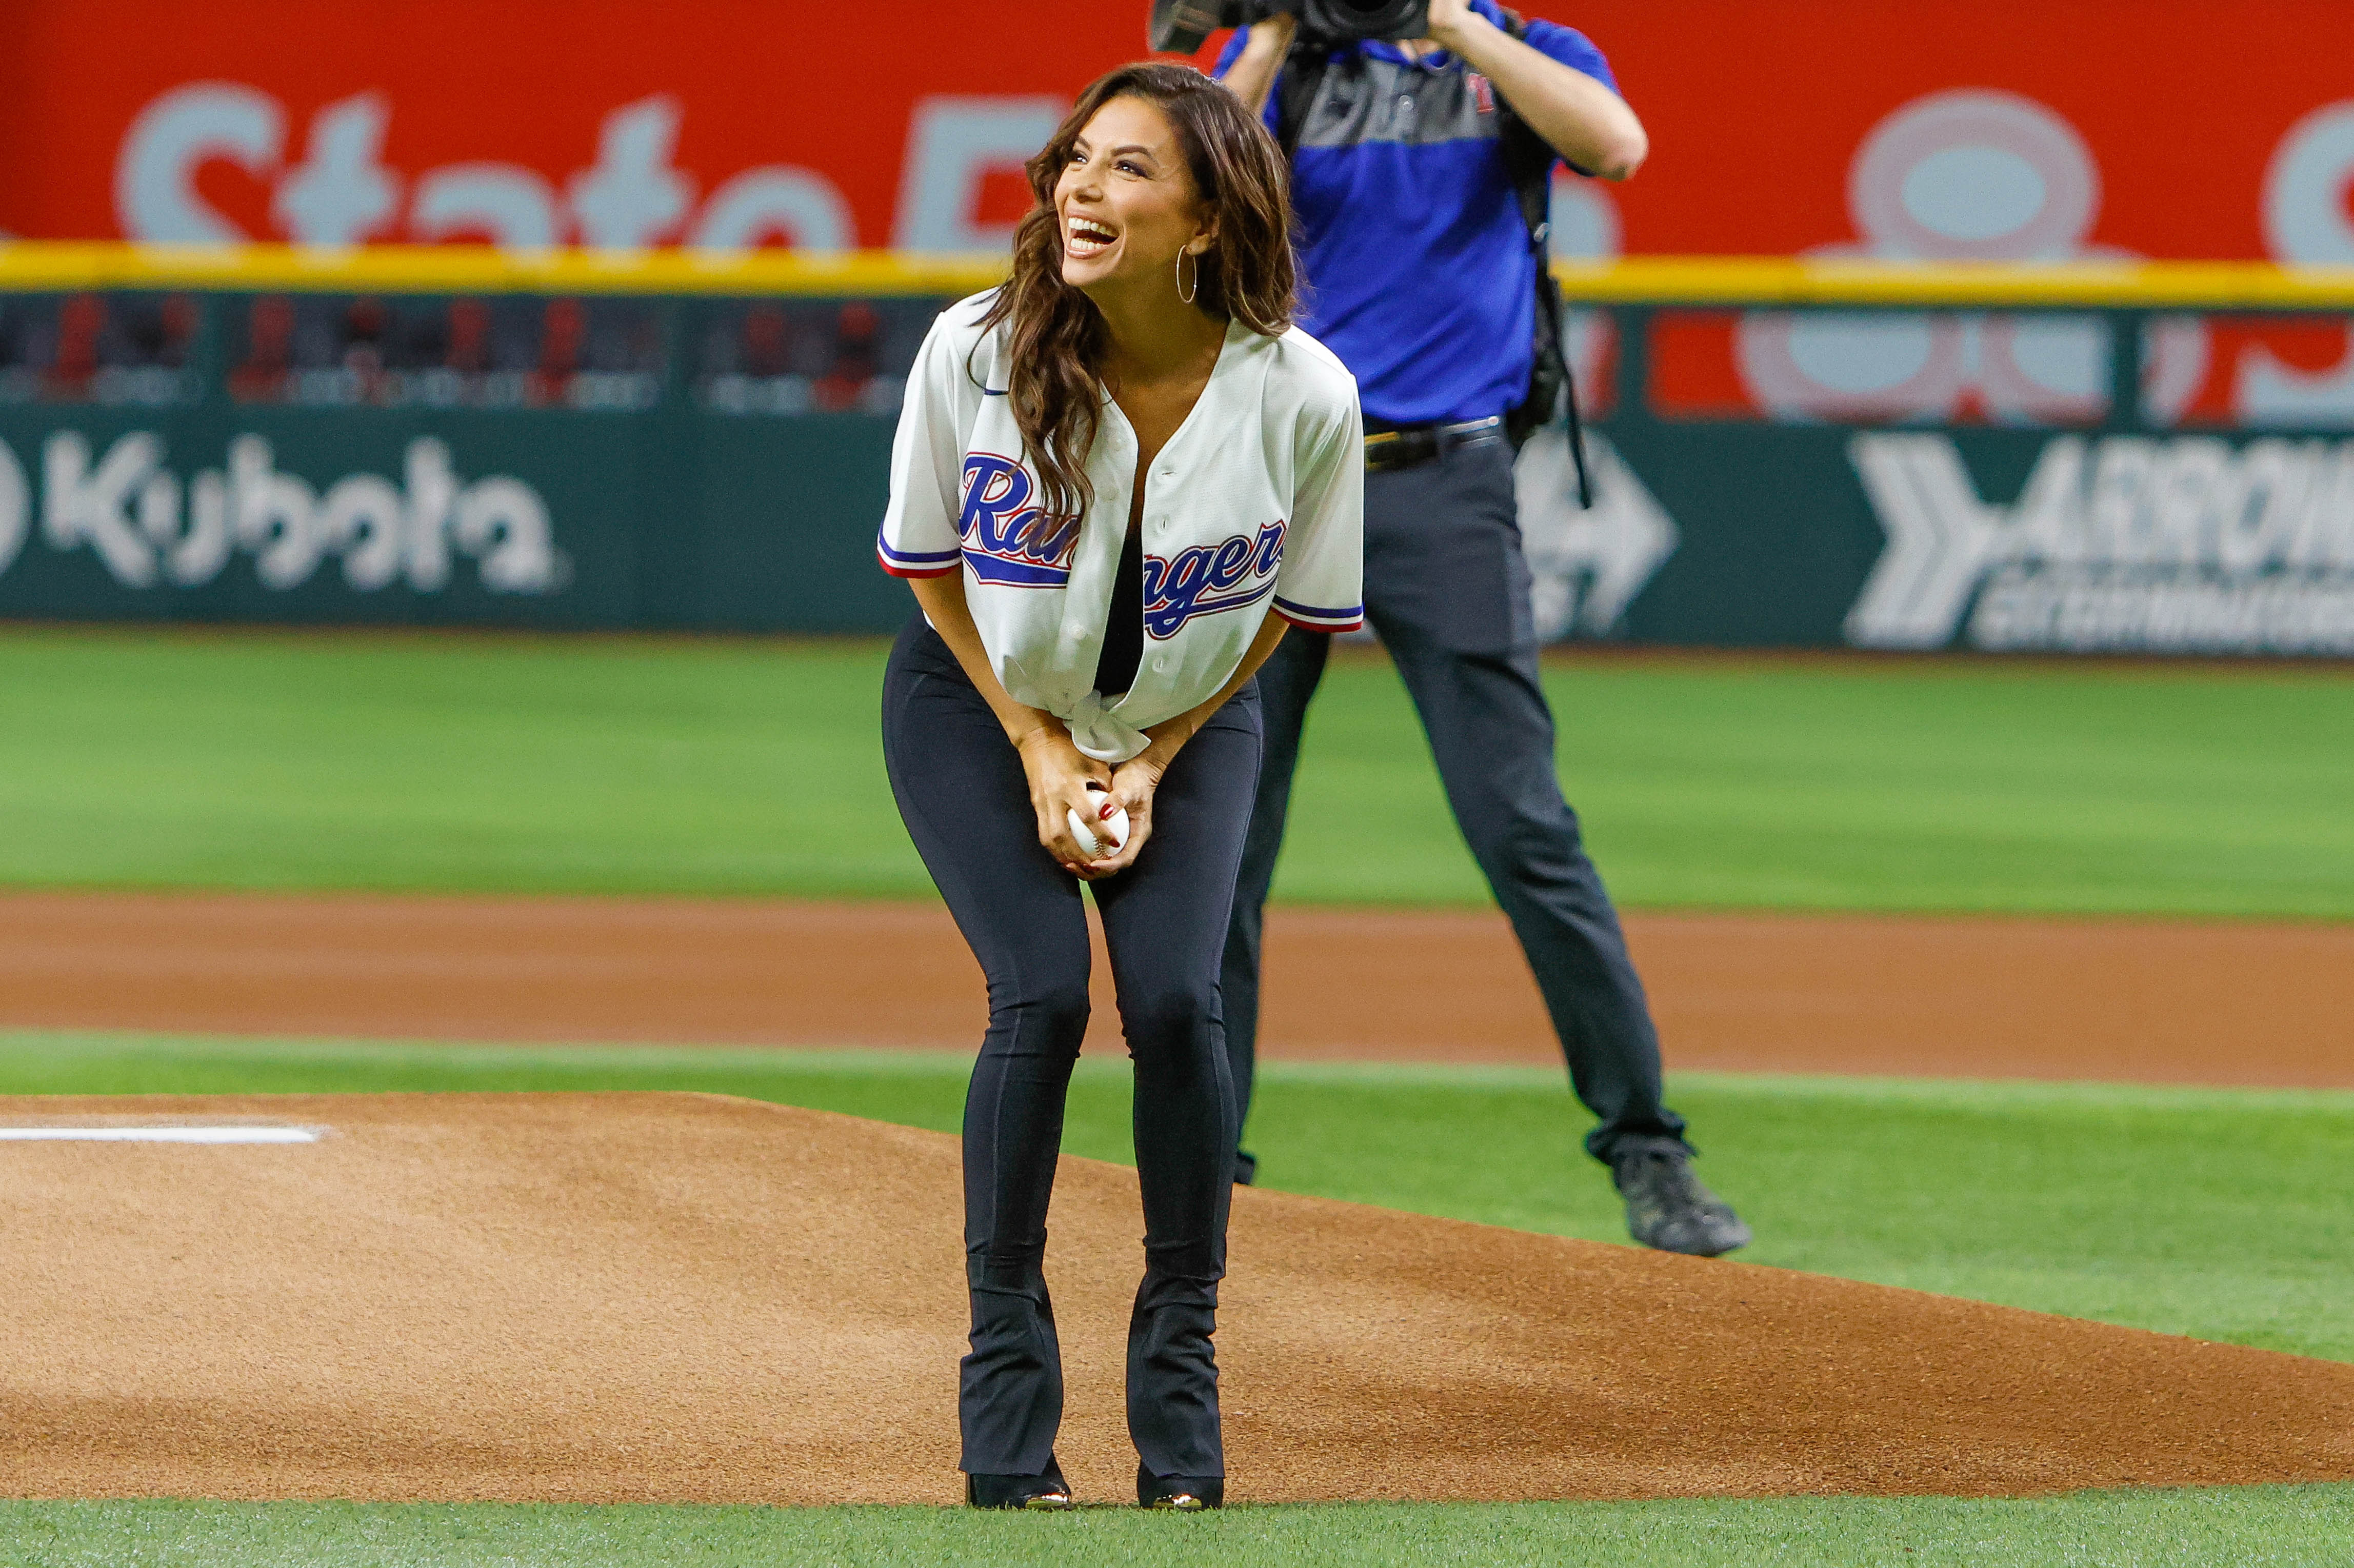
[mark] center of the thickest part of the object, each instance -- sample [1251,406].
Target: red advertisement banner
[2064,128]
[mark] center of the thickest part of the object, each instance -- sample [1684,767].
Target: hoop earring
[1182,292]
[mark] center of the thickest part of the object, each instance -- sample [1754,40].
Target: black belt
[1411,444]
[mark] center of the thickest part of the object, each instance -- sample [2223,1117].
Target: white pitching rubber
[56,1134]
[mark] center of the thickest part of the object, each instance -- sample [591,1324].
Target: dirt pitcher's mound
[613,1298]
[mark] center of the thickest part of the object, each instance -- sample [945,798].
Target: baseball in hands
[1115,828]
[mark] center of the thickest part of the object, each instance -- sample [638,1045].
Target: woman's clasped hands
[1064,779]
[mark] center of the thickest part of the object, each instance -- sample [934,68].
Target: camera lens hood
[1345,21]
[1181,26]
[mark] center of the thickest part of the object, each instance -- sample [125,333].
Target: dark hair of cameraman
[1423,139]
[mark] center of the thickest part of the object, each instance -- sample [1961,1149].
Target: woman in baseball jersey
[1117,478]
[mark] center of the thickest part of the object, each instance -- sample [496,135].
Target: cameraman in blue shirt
[1422,277]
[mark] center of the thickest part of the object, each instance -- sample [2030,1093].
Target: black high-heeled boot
[1172,1393]
[1179,1494]
[1045,1492]
[1010,1397]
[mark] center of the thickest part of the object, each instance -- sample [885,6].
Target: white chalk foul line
[159,1134]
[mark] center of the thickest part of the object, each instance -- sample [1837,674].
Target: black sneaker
[1667,1206]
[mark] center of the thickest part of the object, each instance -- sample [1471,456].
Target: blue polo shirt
[1417,264]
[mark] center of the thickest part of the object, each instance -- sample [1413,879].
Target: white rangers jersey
[1256,503]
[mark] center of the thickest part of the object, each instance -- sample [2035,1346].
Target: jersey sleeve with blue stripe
[1320,583]
[920,526]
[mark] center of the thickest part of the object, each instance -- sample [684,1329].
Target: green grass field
[285,760]
[2247,1527]
[2221,1215]
[631,766]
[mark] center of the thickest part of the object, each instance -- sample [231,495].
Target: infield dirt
[620,1298]
[2164,1001]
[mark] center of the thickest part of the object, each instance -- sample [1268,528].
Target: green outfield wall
[1898,472]
[387,516]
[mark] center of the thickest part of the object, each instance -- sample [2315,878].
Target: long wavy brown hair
[1056,382]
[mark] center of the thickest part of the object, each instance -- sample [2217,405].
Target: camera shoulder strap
[1295,91]
[1527,160]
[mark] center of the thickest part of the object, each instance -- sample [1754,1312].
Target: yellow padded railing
[39,265]
[28,265]
[1752,281]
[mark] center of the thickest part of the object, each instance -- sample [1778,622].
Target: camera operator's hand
[1449,19]
[1276,32]
[1252,76]
[1583,121]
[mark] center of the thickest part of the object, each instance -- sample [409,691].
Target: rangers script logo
[1006,540]
[1206,578]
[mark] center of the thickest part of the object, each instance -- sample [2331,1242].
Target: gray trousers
[1446,589]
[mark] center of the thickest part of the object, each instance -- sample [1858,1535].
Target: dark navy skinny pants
[962,792]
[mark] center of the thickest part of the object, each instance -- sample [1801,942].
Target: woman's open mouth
[1084,237]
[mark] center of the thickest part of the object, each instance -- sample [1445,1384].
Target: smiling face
[1126,202]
